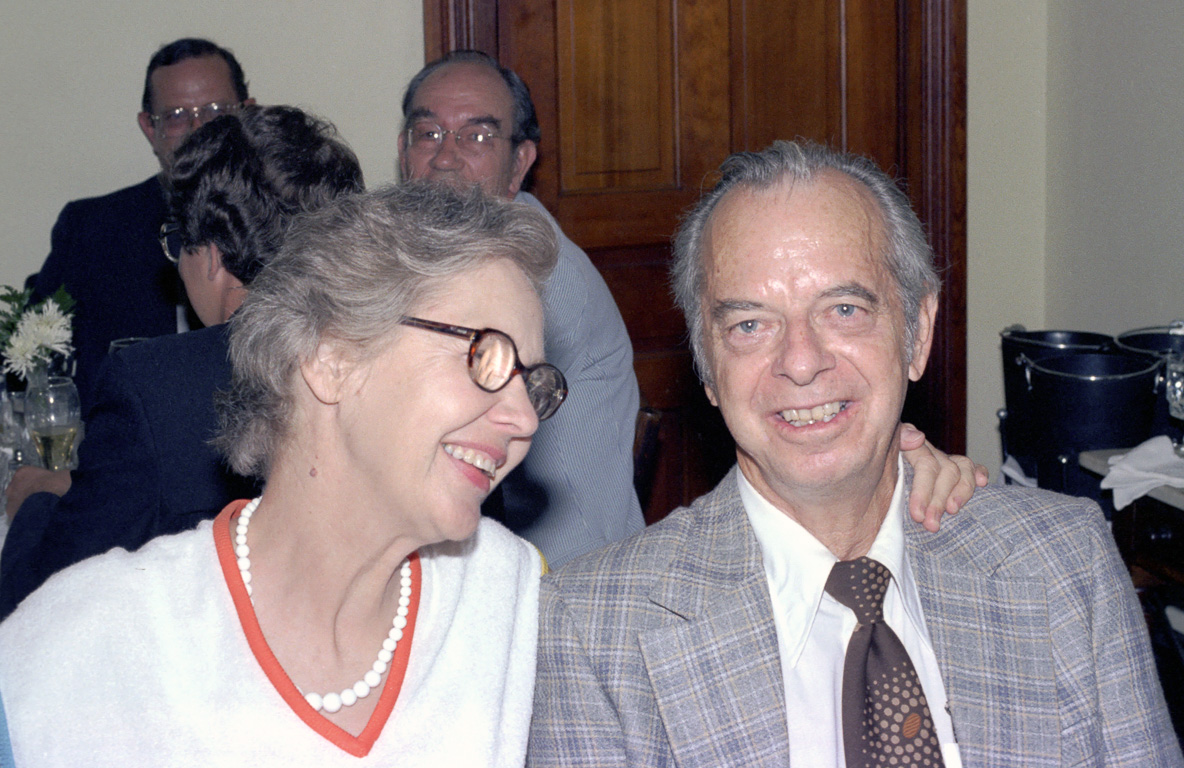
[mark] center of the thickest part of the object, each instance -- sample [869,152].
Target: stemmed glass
[1174,388]
[53,418]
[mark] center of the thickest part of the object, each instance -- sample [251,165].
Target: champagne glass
[53,417]
[10,440]
[1174,388]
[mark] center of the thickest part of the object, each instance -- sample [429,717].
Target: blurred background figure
[146,467]
[467,121]
[105,249]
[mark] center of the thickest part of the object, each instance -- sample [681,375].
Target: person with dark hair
[388,372]
[105,250]
[146,467]
[796,615]
[174,53]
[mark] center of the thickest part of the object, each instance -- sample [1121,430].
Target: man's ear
[524,156]
[711,395]
[923,342]
[145,121]
[326,372]
[401,160]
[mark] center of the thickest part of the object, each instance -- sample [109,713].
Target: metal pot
[1157,342]
[1091,400]
[1020,436]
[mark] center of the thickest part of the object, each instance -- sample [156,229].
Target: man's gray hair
[909,258]
[350,272]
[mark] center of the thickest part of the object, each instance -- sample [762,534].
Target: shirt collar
[797,564]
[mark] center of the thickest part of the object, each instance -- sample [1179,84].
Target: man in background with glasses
[470,122]
[146,467]
[106,250]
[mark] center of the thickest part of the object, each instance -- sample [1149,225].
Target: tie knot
[860,585]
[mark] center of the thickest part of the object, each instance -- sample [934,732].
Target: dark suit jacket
[661,650]
[106,251]
[145,466]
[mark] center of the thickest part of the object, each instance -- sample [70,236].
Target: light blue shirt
[574,491]
[6,760]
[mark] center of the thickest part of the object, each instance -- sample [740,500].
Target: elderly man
[106,250]
[468,121]
[748,628]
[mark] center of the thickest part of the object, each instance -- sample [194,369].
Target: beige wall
[1075,175]
[1115,170]
[1006,125]
[73,73]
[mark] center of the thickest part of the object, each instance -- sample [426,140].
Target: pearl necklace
[332,702]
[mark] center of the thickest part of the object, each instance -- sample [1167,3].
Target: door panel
[640,100]
[614,61]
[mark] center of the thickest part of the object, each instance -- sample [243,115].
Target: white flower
[39,333]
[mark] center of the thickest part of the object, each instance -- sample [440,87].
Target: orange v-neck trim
[359,745]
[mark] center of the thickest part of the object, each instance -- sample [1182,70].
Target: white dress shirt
[813,628]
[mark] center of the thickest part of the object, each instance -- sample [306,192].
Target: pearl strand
[332,702]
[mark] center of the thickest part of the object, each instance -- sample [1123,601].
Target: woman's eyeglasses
[493,361]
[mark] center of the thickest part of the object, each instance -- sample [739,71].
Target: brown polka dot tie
[886,720]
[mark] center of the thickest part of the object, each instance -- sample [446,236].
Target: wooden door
[640,100]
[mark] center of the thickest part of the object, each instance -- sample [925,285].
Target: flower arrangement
[33,334]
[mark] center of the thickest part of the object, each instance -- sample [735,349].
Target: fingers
[911,438]
[927,471]
[942,484]
[29,480]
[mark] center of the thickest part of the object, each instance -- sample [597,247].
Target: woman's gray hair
[909,257]
[350,272]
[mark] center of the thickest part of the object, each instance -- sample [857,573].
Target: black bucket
[1157,342]
[1020,427]
[1092,400]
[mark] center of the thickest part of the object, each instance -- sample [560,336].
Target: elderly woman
[387,374]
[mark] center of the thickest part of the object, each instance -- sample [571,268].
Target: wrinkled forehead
[494,294]
[831,216]
[463,90]
[192,82]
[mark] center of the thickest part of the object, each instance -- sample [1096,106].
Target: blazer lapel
[991,635]
[717,674]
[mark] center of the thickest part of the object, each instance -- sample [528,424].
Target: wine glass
[10,440]
[1174,388]
[53,418]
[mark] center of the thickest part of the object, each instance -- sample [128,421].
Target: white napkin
[1146,467]
[1012,470]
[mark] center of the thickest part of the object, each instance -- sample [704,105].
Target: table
[1149,532]
[1150,537]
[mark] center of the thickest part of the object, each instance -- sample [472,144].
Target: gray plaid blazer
[661,650]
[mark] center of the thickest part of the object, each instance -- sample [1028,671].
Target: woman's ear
[326,371]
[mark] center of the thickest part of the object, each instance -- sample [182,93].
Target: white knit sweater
[141,660]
